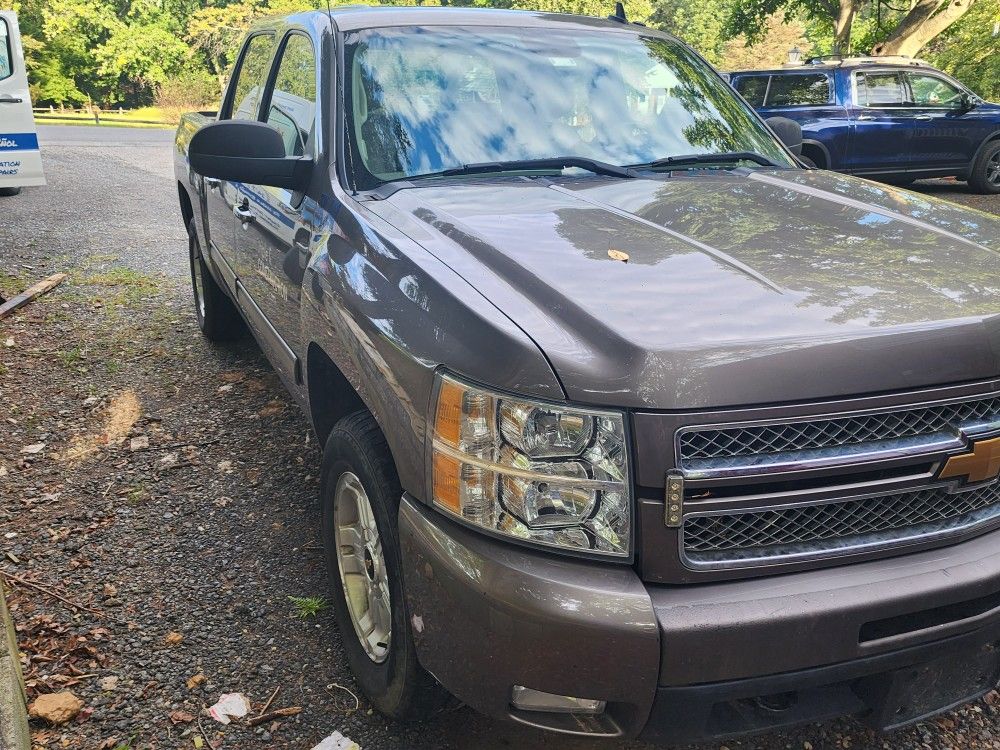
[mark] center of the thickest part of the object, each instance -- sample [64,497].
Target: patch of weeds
[135,496]
[308,606]
[12,284]
[125,286]
[72,359]
[113,366]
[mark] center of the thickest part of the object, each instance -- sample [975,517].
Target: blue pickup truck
[894,118]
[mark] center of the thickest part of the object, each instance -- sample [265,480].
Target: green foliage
[970,52]
[308,606]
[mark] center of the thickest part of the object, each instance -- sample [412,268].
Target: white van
[20,159]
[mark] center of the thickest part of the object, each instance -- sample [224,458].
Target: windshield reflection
[425,99]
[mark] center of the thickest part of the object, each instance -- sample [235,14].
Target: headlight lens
[541,473]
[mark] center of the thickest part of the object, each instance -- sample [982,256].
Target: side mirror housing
[966,102]
[788,131]
[247,151]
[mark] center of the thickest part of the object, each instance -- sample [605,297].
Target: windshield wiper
[723,158]
[518,165]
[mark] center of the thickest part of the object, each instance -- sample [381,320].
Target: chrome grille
[825,529]
[758,440]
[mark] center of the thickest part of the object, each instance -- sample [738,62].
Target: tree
[925,21]
[915,27]
[969,49]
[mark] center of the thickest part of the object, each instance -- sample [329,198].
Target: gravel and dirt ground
[158,497]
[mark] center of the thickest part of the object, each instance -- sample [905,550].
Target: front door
[274,230]
[20,159]
[946,134]
[221,196]
[881,123]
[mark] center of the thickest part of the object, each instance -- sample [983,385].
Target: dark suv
[895,118]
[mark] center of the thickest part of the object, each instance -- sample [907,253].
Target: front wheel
[9,191]
[217,316]
[360,496]
[985,174]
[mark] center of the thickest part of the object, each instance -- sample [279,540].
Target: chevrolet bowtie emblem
[981,464]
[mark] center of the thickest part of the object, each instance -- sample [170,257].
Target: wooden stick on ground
[50,592]
[278,714]
[20,300]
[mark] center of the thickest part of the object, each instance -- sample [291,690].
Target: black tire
[217,316]
[8,192]
[808,163]
[985,175]
[398,686]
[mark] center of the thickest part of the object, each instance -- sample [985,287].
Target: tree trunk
[926,19]
[846,10]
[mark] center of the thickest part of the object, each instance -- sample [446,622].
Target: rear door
[882,123]
[241,102]
[20,159]
[808,98]
[945,133]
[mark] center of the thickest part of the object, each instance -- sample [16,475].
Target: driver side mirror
[788,131]
[247,151]
[966,102]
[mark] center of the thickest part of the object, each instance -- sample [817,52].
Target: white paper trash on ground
[337,741]
[230,705]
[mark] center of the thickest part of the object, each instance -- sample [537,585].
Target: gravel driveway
[162,493]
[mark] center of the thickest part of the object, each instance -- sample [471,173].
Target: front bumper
[687,662]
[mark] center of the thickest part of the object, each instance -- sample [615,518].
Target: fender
[986,141]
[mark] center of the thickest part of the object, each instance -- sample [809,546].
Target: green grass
[144,117]
[308,606]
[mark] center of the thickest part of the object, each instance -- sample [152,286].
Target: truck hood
[741,287]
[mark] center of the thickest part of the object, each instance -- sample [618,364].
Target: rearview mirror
[247,151]
[788,131]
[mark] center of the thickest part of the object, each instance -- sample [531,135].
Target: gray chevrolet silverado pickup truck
[632,425]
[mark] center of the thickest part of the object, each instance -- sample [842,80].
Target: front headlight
[537,472]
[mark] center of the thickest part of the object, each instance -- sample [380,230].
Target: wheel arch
[187,208]
[991,138]
[812,147]
[331,395]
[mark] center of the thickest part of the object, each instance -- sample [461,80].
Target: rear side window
[251,76]
[753,89]
[6,53]
[790,91]
[880,89]
[293,102]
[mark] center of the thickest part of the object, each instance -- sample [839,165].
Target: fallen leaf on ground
[173,639]
[271,409]
[181,717]
[195,681]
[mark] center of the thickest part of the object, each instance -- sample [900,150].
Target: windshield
[426,99]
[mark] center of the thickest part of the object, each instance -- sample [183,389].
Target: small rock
[90,401]
[139,443]
[109,683]
[56,708]
[33,448]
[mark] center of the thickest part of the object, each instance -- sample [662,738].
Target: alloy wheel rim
[993,169]
[361,565]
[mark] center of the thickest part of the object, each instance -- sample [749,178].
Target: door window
[292,109]
[880,89]
[753,89]
[250,77]
[793,90]
[6,53]
[931,91]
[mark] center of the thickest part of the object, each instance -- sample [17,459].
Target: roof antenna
[619,14]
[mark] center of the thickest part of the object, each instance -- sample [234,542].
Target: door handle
[865,118]
[922,117]
[242,212]
[11,100]
[212,183]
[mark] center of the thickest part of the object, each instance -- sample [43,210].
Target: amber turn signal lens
[448,420]
[446,478]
